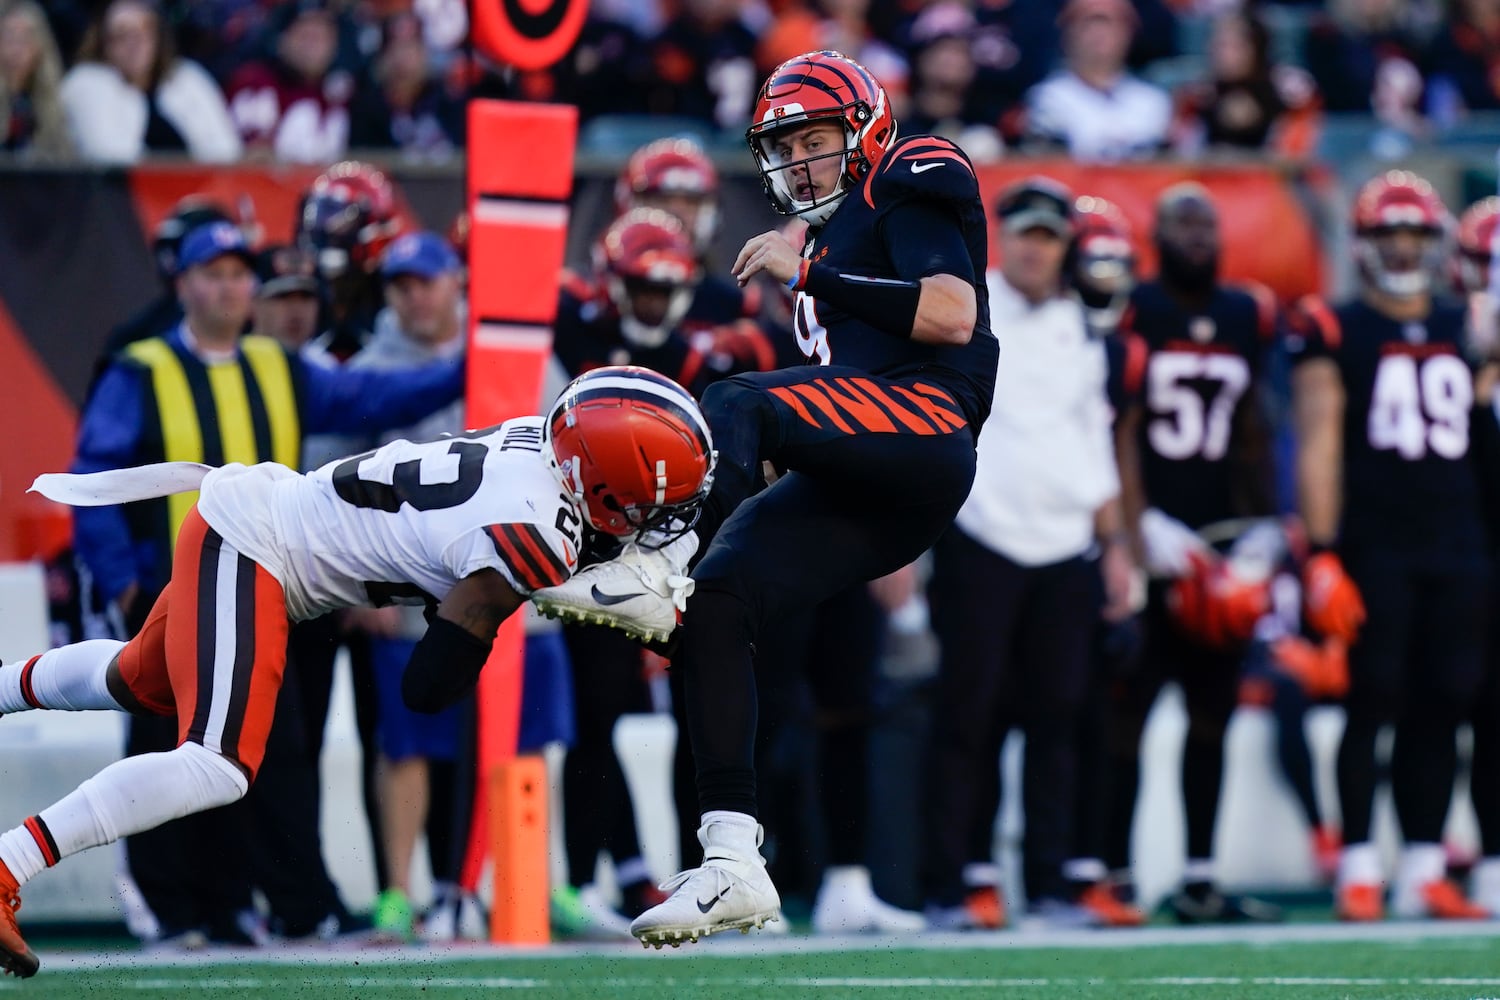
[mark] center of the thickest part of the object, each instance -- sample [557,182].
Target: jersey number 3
[407,486]
[1417,406]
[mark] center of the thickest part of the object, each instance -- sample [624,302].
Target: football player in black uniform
[1478,228]
[876,439]
[1192,453]
[1383,399]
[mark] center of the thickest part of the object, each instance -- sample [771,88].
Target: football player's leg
[976,597]
[1484,784]
[1129,705]
[1441,683]
[1375,672]
[793,544]
[95,674]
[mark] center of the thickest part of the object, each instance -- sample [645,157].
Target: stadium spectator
[843,26]
[945,99]
[1094,107]
[1364,56]
[1246,103]
[1463,63]
[295,106]
[1388,487]
[703,64]
[1016,577]
[288,297]
[1193,453]
[30,81]
[406,108]
[130,95]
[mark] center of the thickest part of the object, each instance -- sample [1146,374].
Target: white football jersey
[403,523]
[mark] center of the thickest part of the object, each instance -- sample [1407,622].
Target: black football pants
[876,469]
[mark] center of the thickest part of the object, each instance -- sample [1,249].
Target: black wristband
[443,667]
[887,304]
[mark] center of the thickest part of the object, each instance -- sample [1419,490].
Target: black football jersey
[586,335]
[1408,477]
[1201,367]
[856,241]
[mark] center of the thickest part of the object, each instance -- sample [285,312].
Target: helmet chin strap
[638,334]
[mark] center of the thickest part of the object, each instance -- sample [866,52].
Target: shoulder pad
[575,285]
[1310,317]
[924,167]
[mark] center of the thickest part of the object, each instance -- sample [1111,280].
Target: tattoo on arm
[481,618]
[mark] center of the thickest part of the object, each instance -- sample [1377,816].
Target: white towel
[112,486]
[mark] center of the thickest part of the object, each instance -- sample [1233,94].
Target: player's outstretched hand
[768,252]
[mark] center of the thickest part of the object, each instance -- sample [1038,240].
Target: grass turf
[1462,968]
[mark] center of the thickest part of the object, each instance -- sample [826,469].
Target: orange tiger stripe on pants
[213,650]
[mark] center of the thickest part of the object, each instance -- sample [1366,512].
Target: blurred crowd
[308,80]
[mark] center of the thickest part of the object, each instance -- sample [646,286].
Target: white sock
[1359,864]
[981,874]
[69,679]
[844,879]
[631,871]
[129,796]
[1422,864]
[1084,870]
[731,829]
[1198,870]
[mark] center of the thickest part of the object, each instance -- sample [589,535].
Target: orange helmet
[820,86]
[1215,606]
[642,251]
[634,449]
[1476,243]
[1104,260]
[1399,200]
[348,218]
[674,167]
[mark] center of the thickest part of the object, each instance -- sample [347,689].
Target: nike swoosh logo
[608,599]
[705,907]
[917,168]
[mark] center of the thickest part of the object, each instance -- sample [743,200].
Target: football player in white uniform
[469,525]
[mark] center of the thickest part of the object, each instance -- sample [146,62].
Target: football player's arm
[1132,486]
[343,400]
[1318,417]
[446,662]
[1253,468]
[932,301]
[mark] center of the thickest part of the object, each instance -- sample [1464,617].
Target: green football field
[1286,963]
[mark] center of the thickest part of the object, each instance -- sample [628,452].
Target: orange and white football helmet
[633,448]
[820,86]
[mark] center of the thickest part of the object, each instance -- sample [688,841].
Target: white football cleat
[730,891]
[640,592]
[847,904]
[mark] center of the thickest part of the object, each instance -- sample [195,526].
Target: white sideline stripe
[807,982]
[1402,934]
[513,335]
[521,213]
